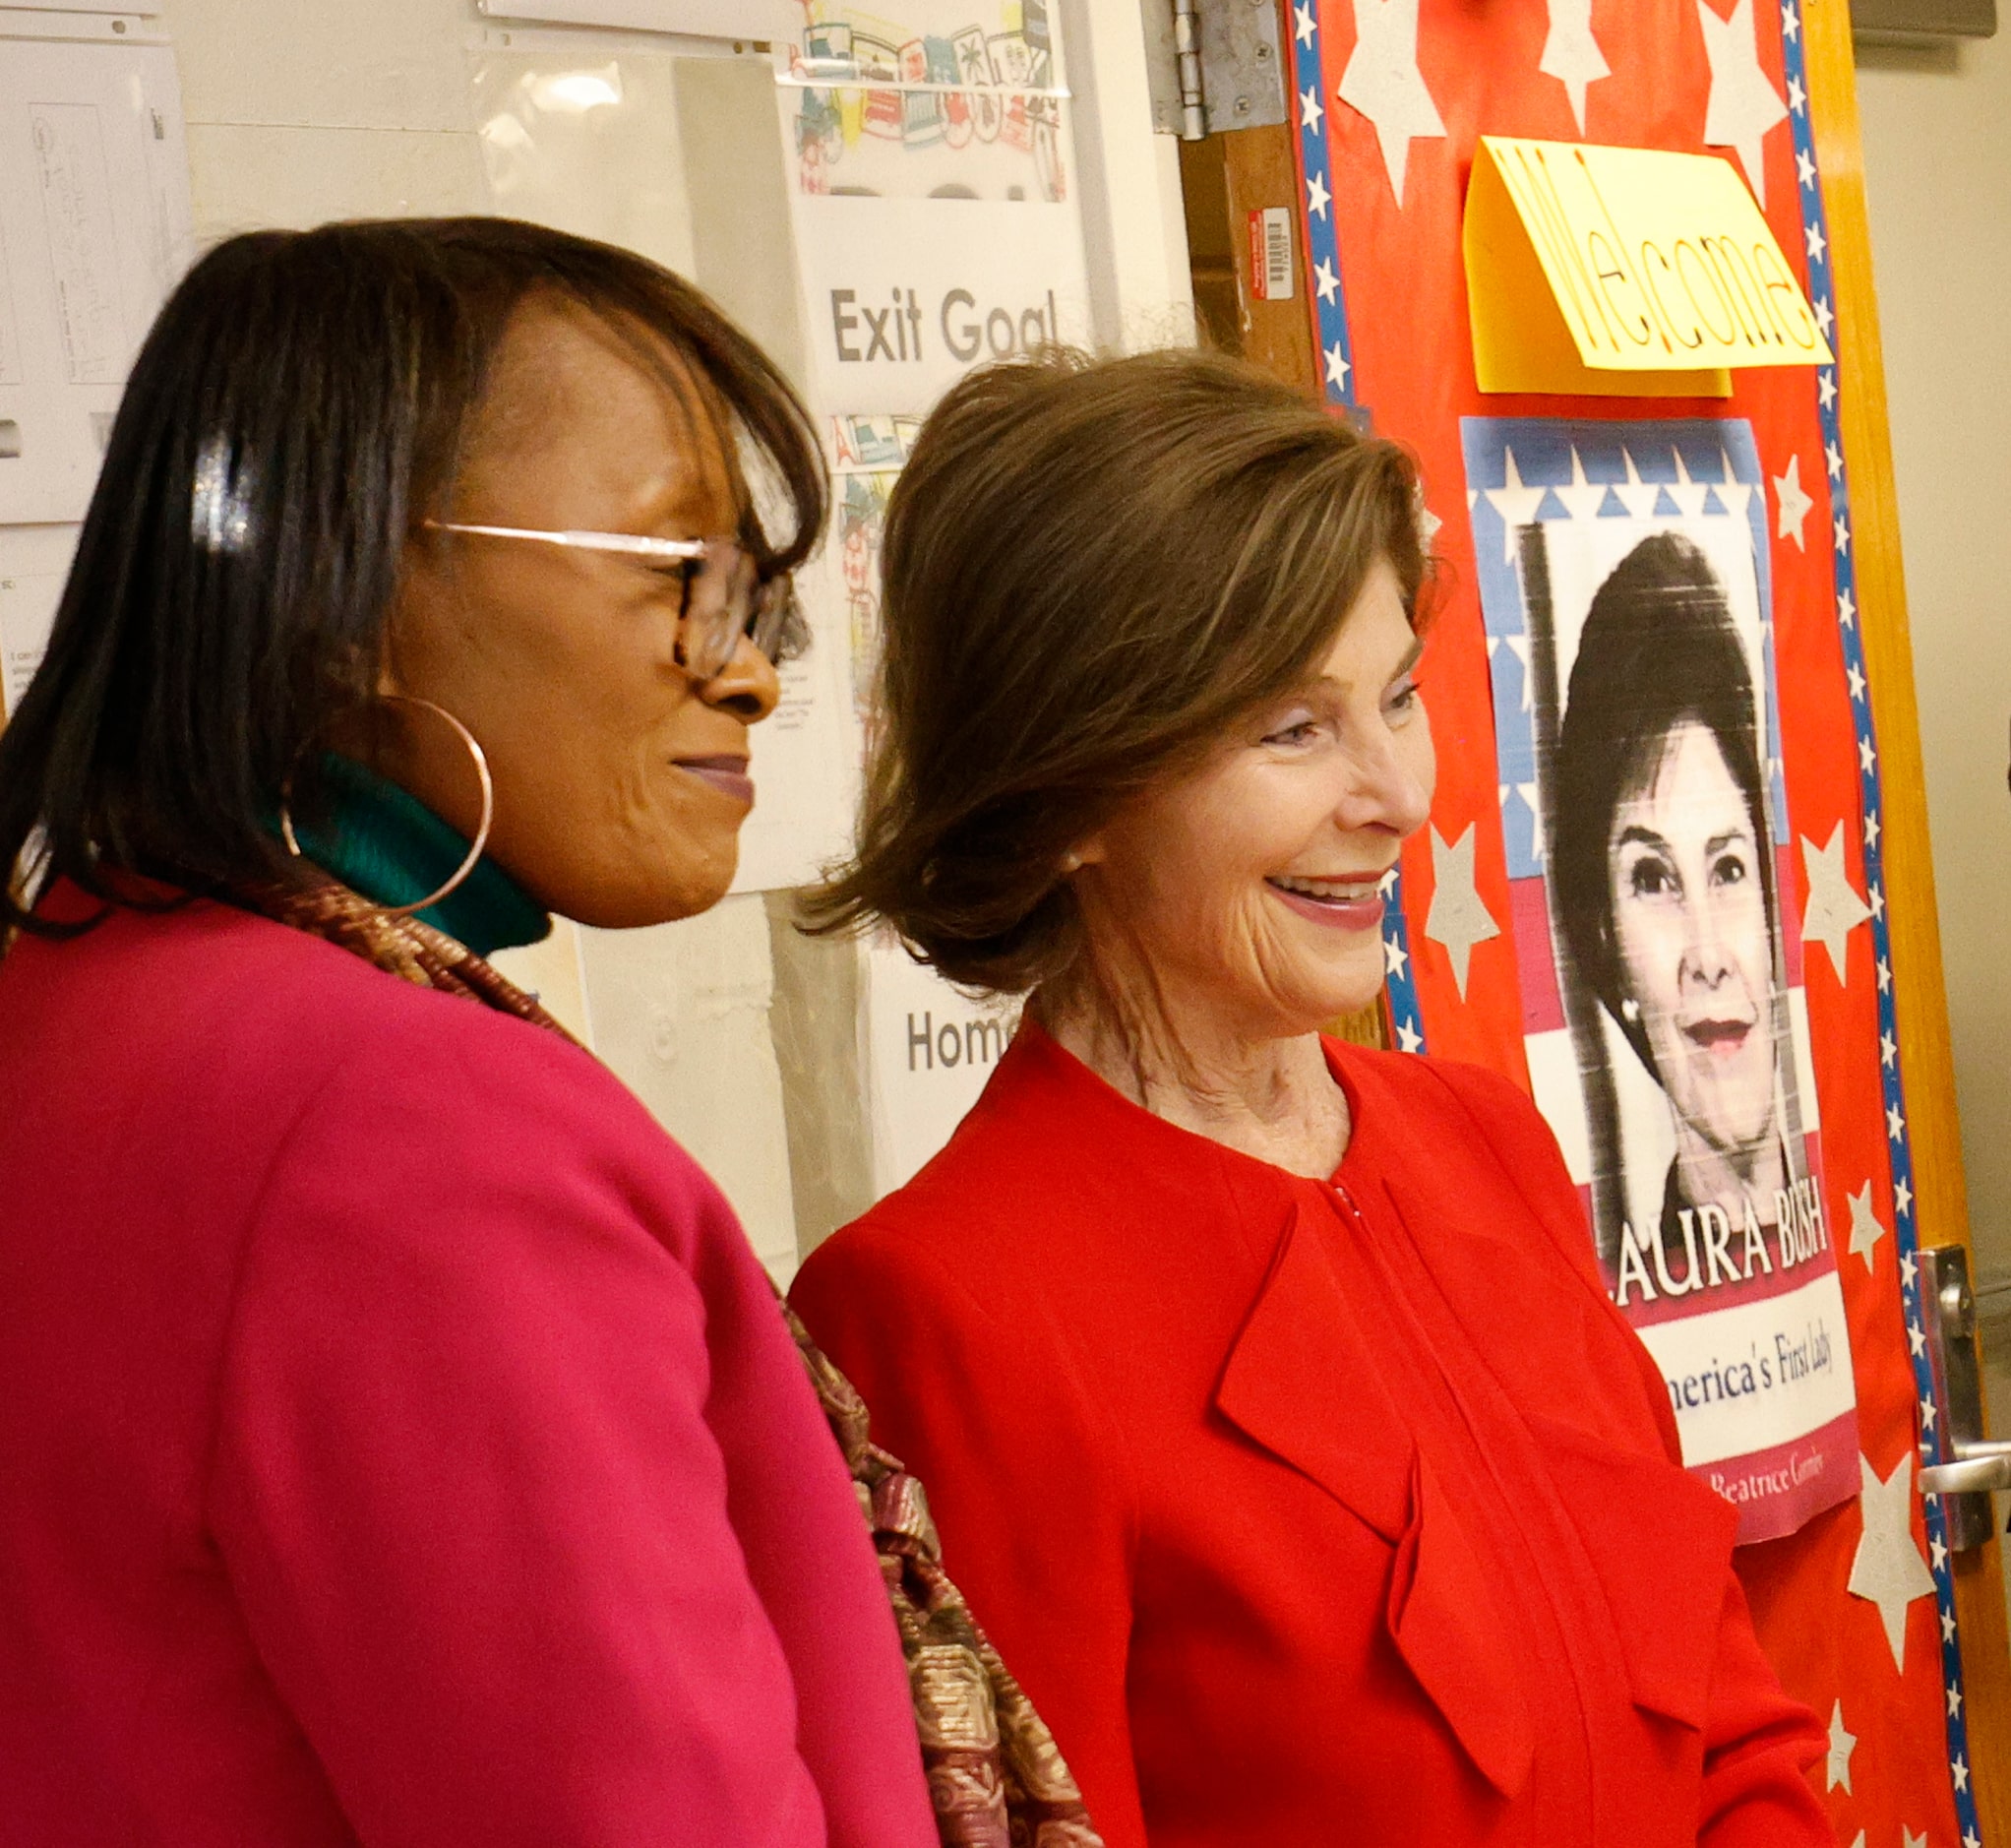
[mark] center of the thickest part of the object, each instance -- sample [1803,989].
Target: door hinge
[1213,65]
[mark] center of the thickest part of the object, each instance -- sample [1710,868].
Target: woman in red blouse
[1276,1424]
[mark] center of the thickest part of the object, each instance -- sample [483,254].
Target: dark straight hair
[297,409]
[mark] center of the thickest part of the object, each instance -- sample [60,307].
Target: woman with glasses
[402,1442]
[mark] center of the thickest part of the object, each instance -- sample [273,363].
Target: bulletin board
[1652,890]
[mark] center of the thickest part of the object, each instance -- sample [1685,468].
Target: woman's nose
[1390,786]
[1706,958]
[747,686]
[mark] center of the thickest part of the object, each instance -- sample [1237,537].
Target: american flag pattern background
[1857,1607]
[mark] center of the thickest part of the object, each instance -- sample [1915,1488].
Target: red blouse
[1314,1511]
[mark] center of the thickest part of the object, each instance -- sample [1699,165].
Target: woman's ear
[1086,852]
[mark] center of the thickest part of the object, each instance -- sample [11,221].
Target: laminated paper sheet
[93,232]
[33,562]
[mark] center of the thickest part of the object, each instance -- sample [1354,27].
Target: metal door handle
[1978,1467]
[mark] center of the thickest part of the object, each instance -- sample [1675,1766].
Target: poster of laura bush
[1626,591]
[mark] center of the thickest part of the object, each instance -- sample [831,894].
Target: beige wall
[1937,161]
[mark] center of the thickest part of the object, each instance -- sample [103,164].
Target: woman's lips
[1722,1037]
[728,774]
[1362,912]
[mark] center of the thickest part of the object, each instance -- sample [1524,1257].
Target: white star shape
[1688,493]
[1865,758]
[1903,1198]
[1325,280]
[1583,498]
[1797,98]
[1744,107]
[1635,495]
[1805,170]
[1870,829]
[1823,318]
[1837,1773]
[1843,533]
[1947,1626]
[1815,240]
[1394,957]
[1878,898]
[1888,1050]
[1336,367]
[1855,676]
[1516,503]
[1834,908]
[1971,1840]
[1895,1124]
[1793,504]
[1916,1338]
[1303,26]
[1317,195]
[1459,917]
[1865,1228]
[1847,609]
[1927,1417]
[1408,1038]
[1382,82]
[1571,54]
[1790,21]
[1826,386]
[1960,1770]
[1310,111]
[1734,495]
[1954,1701]
[1937,1554]
[1834,456]
[1888,1570]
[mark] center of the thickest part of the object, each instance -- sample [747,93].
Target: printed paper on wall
[1628,605]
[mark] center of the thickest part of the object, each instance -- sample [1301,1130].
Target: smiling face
[1695,948]
[621,783]
[1248,890]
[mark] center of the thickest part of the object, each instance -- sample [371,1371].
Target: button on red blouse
[1307,1510]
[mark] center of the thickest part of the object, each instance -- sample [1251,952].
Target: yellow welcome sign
[1624,272]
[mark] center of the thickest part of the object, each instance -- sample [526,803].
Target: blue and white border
[1933,1444]
[1330,302]
[1337,366]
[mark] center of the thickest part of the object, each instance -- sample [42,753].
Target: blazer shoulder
[209,1001]
[1427,1079]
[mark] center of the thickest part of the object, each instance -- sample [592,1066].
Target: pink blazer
[399,1441]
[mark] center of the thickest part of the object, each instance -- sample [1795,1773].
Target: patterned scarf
[995,1776]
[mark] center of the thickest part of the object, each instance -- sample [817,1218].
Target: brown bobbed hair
[1093,570]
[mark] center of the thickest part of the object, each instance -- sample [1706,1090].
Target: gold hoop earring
[474,854]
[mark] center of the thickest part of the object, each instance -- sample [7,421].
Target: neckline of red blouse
[1036,1057]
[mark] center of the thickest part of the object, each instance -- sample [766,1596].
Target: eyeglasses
[724,596]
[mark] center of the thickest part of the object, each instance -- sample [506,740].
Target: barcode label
[1271,254]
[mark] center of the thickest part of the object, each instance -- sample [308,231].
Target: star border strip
[1328,296]
[1822,294]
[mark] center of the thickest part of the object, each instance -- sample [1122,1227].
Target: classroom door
[1921,1736]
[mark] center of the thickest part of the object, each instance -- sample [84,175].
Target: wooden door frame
[1920,991]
